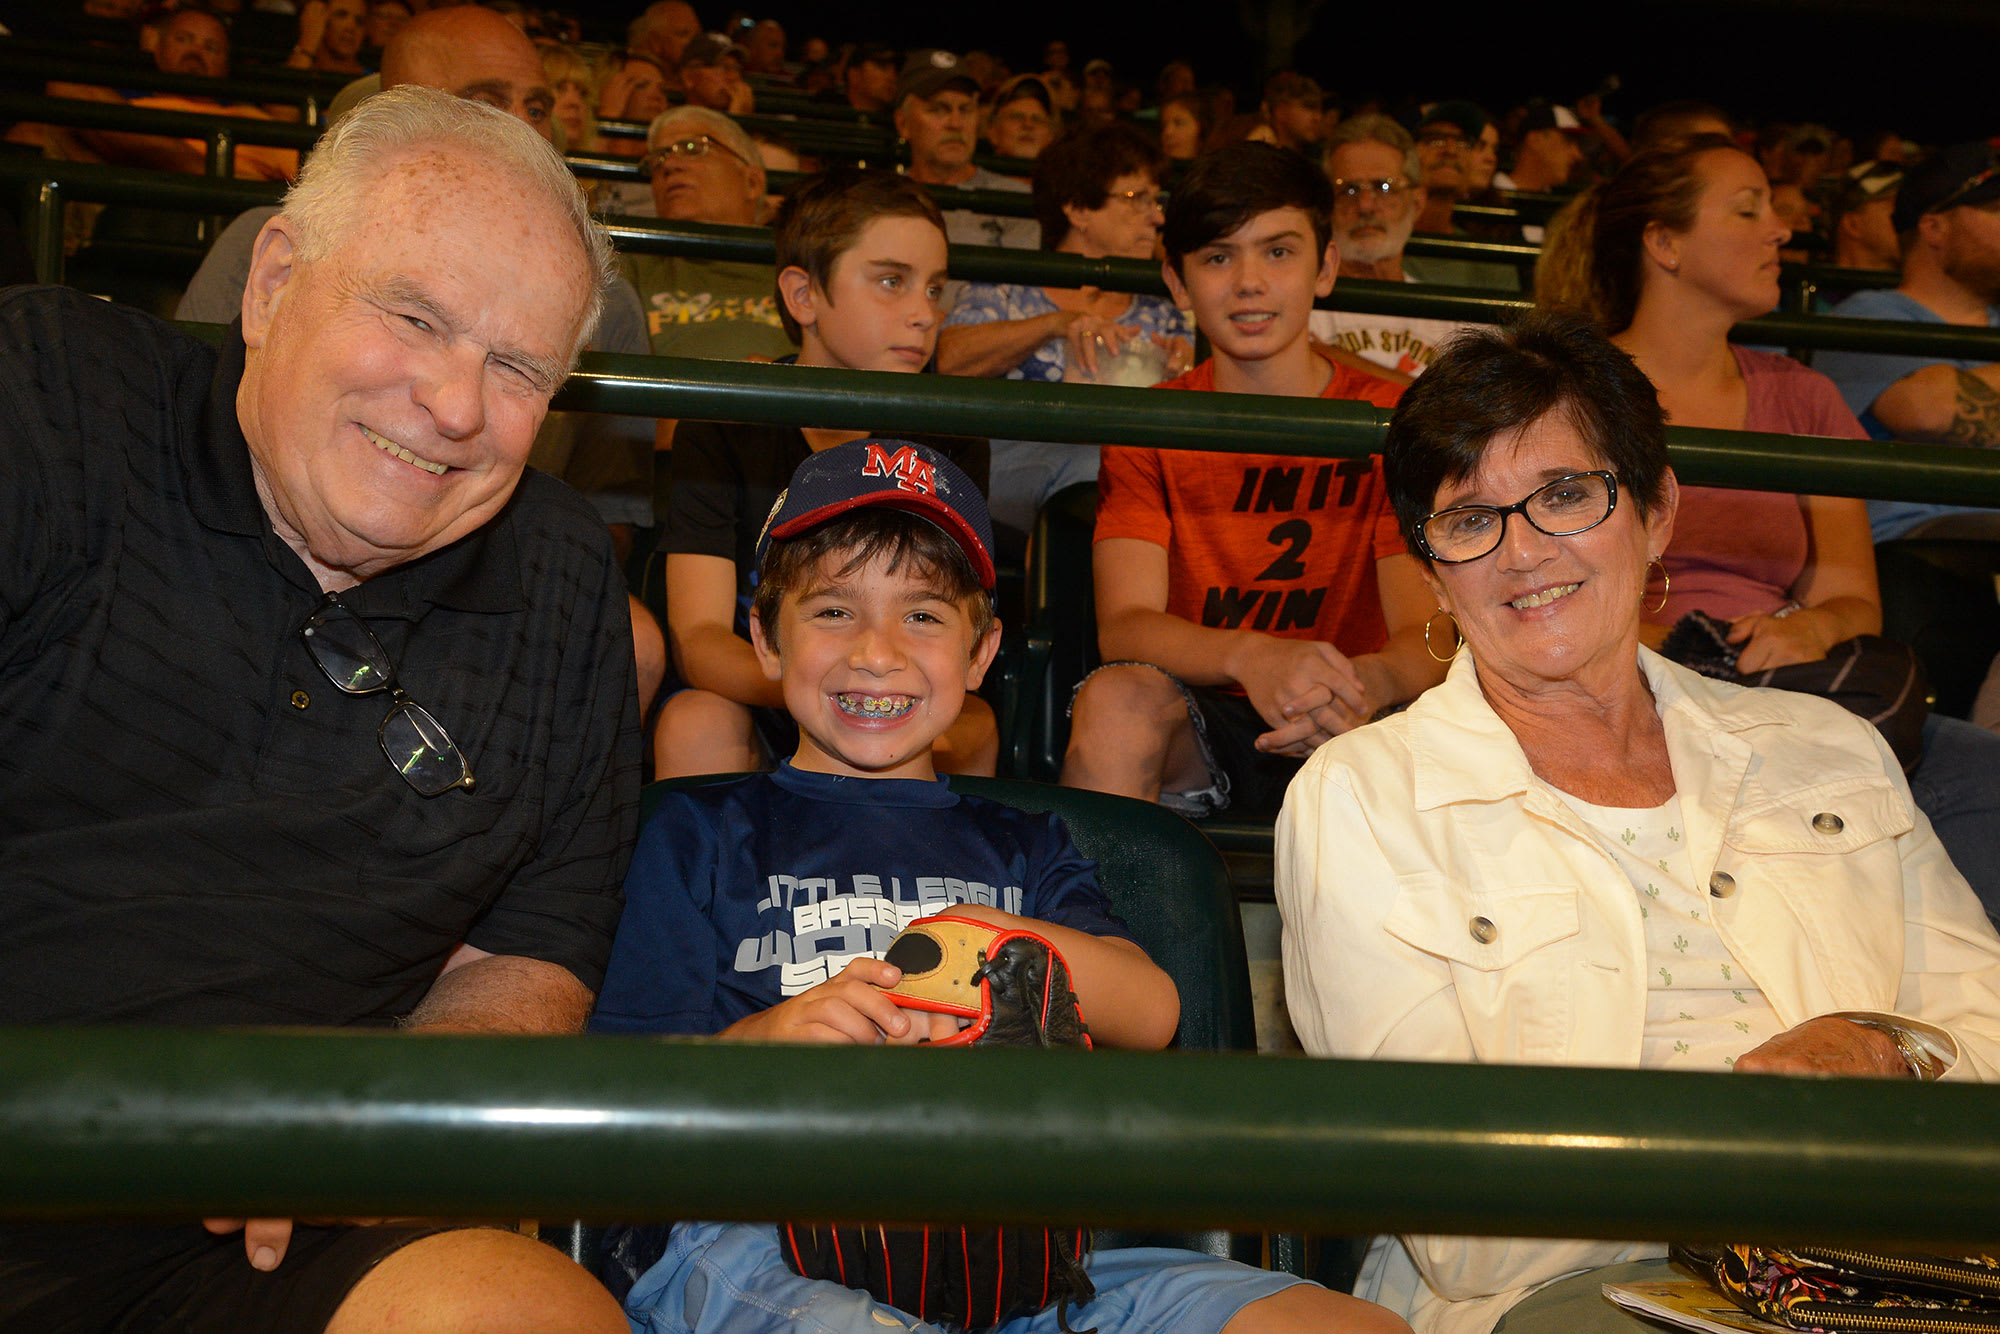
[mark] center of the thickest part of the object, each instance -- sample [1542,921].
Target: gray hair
[711,123]
[332,194]
[1375,129]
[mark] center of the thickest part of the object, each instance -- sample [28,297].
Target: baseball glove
[1013,988]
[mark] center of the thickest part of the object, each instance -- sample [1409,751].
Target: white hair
[335,189]
[711,123]
[1376,129]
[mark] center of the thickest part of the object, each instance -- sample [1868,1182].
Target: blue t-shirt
[1862,376]
[742,894]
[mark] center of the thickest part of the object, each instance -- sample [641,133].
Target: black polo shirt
[196,827]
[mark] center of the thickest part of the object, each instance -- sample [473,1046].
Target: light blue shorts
[718,1277]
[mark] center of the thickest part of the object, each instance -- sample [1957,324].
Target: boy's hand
[850,1008]
[1306,690]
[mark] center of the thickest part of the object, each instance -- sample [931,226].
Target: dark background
[1925,68]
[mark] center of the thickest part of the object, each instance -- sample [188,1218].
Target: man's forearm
[503,993]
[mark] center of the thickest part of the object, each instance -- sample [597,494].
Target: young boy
[757,910]
[860,264]
[1249,606]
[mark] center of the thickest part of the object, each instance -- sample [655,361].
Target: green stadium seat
[1060,645]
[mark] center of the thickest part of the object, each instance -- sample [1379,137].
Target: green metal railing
[56,182]
[80,113]
[23,64]
[165,1124]
[1474,305]
[1230,423]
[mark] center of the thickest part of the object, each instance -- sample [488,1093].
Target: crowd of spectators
[1256,614]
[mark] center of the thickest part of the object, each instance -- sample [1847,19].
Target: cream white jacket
[1442,903]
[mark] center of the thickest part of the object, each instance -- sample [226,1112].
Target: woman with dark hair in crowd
[330,36]
[1667,256]
[1185,124]
[1576,852]
[1097,194]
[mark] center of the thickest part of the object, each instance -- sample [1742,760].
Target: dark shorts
[1242,780]
[177,1279]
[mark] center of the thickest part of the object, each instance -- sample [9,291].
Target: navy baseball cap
[1961,174]
[893,474]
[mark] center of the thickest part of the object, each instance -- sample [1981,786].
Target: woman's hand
[1086,335]
[1827,1046]
[1770,640]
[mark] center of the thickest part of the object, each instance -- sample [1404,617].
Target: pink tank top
[1737,553]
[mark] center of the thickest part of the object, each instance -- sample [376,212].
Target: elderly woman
[1097,194]
[1575,852]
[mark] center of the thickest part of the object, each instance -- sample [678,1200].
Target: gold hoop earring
[1458,639]
[1666,585]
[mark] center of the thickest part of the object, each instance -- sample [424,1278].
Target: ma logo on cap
[911,470]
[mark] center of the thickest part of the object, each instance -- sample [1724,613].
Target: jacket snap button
[300,699]
[1722,884]
[1826,822]
[1484,931]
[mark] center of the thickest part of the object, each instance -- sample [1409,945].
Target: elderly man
[317,710]
[937,113]
[1378,190]
[704,168]
[1947,214]
[478,55]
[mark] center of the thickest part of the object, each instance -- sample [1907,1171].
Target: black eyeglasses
[1561,508]
[354,660]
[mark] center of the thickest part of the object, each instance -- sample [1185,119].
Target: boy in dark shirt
[757,910]
[861,265]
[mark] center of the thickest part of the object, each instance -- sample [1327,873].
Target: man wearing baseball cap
[1548,151]
[712,73]
[937,113]
[1947,217]
[1457,145]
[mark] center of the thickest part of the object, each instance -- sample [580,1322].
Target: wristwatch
[1923,1064]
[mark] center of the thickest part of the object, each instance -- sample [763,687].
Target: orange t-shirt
[1270,542]
[254,162]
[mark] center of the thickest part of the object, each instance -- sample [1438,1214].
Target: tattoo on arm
[1976,420]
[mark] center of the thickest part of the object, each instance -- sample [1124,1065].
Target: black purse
[1878,679]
